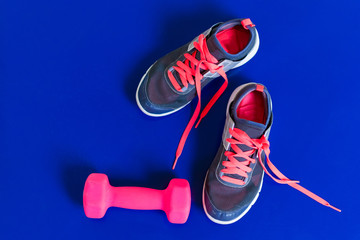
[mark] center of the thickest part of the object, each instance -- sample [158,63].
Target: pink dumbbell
[99,195]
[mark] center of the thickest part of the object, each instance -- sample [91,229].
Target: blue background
[68,76]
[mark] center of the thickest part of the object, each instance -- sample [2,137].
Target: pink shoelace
[190,73]
[241,168]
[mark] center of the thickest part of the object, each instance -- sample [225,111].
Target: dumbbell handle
[137,198]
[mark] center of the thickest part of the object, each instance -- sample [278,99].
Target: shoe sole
[245,60]
[236,219]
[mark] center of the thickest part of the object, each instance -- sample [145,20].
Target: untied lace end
[262,145]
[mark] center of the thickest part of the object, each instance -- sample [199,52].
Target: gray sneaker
[235,177]
[175,79]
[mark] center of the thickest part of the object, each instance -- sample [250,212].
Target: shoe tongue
[253,129]
[215,48]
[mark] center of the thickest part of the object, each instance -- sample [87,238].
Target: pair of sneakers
[234,179]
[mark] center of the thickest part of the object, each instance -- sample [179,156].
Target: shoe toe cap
[221,211]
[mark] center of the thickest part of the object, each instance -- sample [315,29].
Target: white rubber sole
[236,219]
[242,62]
